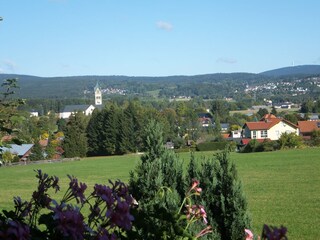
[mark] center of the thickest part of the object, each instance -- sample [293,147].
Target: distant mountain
[294,70]
[216,85]
[76,86]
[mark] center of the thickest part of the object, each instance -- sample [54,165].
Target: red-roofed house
[307,127]
[269,127]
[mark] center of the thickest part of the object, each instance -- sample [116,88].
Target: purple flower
[69,222]
[24,208]
[274,233]
[15,230]
[120,188]
[77,191]
[55,183]
[105,193]
[103,234]
[42,199]
[120,215]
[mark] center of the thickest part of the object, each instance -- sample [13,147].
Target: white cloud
[8,66]
[227,60]
[164,25]
[317,61]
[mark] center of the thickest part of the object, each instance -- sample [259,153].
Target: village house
[269,127]
[72,109]
[205,119]
[307,127]
[22,151]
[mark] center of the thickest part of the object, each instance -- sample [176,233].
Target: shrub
[211,146]
[222,196]
[315,138]
[290,140]
[255,146]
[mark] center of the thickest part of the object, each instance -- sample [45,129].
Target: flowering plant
[268,233]
[45,218]
[195,212]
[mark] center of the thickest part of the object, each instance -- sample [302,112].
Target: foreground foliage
[160,168]
[46,218]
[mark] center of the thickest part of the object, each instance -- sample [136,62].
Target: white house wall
[275,132]
[65,115]
[89,110]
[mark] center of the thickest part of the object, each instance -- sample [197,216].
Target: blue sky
[156,38]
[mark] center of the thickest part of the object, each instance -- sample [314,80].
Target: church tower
[97,95]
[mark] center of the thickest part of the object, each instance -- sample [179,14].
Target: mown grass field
[282,187]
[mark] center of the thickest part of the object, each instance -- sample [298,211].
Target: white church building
[86,109]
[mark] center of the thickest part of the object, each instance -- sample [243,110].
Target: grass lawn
[281,187]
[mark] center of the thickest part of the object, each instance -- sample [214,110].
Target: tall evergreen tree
[126,134]
[110,129]
[37,152]
[95,134]
[158,169]
[223,197]
[75,142]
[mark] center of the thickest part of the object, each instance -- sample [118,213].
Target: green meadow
[282,187]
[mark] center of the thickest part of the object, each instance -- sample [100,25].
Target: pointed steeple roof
[97,86]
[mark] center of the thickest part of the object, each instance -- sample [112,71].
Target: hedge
[211,146]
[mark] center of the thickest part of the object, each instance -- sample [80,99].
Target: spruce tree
[133,126]
[223,197]
[75,142]
[37,152]
[95,134]
[125,134]
[157,185]
[110,128]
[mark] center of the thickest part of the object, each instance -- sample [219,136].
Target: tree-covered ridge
[207,86]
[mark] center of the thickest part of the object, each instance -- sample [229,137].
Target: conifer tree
[125,143]
[75,142]
[110,128]
[223,197]
[158,171]
[95,134]
[37,152]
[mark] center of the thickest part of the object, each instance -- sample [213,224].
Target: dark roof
[75,108]
[204,115]
[20,150]
[224,125]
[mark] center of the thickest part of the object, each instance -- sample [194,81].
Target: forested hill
[294,70]
[76,86]
[215,85]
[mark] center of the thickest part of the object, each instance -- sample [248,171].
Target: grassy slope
[281,187]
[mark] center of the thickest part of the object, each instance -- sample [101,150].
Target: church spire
[97,95]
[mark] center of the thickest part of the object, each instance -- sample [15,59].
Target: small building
[23,151]
[224,127]
[205,119]
[269,127]
[169,145]
[72,109]
[307,127]
[34,114]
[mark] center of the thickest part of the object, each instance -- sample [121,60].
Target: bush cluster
[211,146]
[286,141]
